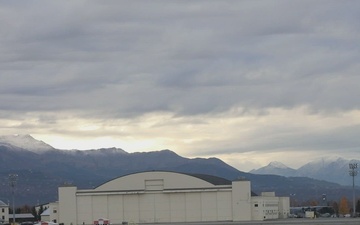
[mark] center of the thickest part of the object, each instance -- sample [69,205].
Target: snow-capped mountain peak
[276,164]
[25,142]
[277,168]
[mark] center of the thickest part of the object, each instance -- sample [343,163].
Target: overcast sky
[249,82]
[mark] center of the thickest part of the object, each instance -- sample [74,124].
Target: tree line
[342,207]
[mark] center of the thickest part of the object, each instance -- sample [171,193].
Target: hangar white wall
[67,205]
[152,197]
[155,207]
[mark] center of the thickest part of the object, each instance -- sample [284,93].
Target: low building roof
[46,212]
[2,204]
[24,216]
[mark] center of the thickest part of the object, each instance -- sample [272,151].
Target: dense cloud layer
[204,78]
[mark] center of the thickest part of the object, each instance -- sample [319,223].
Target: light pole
[353,172]
[324,203]
[12,183]
[292,200]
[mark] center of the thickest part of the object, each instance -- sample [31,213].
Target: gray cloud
[115,60]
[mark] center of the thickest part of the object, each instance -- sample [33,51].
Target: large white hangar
[163,197]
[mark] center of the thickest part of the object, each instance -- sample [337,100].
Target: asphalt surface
[319,221]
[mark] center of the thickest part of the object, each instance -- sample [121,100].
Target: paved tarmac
[293,221]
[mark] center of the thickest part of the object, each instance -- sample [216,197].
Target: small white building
[268,206]
[4,212]
[50,213]
[161,197]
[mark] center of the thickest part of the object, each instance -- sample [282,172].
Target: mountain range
[41,169]
[327,168]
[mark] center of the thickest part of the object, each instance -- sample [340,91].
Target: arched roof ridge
[214,180]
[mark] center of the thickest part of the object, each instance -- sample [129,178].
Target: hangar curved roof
[165,179]
[211,179]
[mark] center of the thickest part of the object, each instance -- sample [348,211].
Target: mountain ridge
[275,168]
[40,175]
[332,169]
[25,141]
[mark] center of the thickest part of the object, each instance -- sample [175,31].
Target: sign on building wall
[101,221]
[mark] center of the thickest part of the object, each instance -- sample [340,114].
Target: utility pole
[12,183]
[353,172]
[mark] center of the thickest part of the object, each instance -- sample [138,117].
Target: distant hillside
[40,172]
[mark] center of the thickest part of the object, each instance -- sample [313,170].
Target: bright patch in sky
[246,81]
